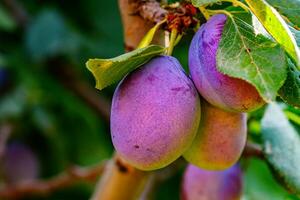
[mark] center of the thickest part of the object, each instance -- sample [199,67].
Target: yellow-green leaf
[276,26]
[109,71]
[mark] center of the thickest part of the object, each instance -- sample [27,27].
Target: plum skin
[199,184]
[220,140]
[220,90]
[155,114]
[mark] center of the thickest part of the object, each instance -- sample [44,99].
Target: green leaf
[281,147]
[290,91]
[276,26]
[288,8]
[48,36]
[109,71]
[254,58]
[259,184]
[198,3]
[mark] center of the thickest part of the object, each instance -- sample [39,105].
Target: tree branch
[72,176]
[133,14]
[121,181]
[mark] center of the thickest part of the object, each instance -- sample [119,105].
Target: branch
[121,181]
[133,14]
[70,177]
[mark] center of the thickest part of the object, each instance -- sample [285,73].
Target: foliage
[62,129]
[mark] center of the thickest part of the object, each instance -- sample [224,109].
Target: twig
[66,179]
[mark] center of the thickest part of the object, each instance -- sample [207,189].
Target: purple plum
[220,139]
[220,90]
[155,114]
[199,184]
[19,163]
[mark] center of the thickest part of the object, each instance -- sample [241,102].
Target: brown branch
[66,179]
[133,14]
[121,181]
[253,150]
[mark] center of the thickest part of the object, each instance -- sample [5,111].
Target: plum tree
[220,139]
[220,90]
[211,185]
[155,114]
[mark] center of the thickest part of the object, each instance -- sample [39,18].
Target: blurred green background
[44,45]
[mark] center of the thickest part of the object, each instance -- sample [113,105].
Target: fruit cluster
[156,109]
[156,113]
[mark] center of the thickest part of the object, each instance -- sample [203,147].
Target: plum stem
[220,11]
[174,34]
[204,12]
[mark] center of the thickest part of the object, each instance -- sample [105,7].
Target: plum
[220,139]
[220,90]
[199,184]
[155,114]
[19,163]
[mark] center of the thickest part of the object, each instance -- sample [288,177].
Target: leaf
[290,91]
[259,184]
[149,36]
[198,3]
[288,8]
[276,26]
[109,71]
[49,36]
[253,58]
[281,147]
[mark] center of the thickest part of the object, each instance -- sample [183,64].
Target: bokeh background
[51,113]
